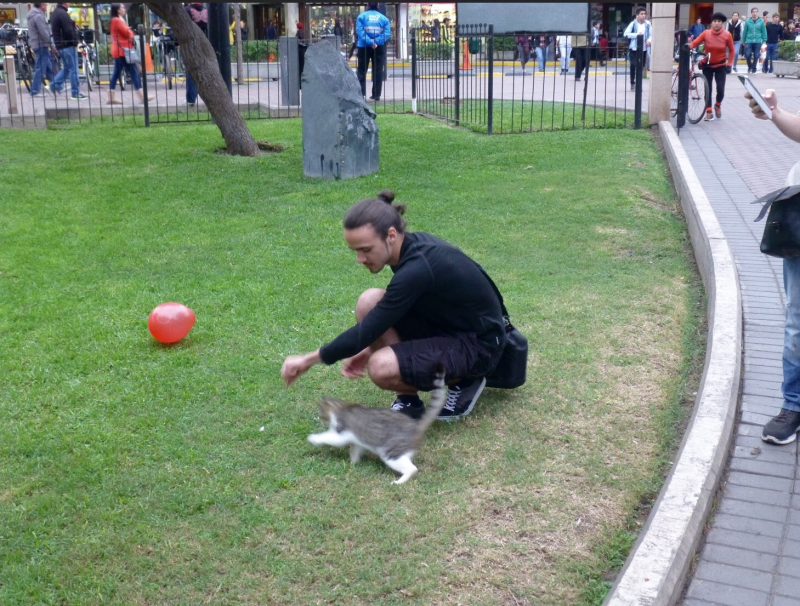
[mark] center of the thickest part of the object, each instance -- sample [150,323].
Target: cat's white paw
[315,439]
[405,477]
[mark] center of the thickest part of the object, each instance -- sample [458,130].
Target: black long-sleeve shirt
[65,33]
[774,33]
[435,281]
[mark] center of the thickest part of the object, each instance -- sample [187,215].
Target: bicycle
[25,59]
[698,85]
[168,54]
[87,56]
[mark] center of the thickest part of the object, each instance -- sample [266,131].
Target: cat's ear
[330,403]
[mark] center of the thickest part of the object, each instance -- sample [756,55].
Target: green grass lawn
[134,473]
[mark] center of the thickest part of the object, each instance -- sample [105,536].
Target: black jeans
[632,54]
[713,74]
[579,54]
[377,56]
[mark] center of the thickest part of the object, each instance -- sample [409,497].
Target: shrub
[436,50]
[789,50]
[254,51]
[104,53]
[505,43]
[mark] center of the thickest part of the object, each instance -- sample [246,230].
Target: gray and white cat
[391,435]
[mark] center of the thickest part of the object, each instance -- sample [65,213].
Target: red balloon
[171,322]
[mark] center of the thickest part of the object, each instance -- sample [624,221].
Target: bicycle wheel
[25,70]
[169,69]
[673,96]
[88,71]
[696,107]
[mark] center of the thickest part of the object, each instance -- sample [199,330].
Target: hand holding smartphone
[755,94]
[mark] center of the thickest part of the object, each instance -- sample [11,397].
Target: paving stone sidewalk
[751,556]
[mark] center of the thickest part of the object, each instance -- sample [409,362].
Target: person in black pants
[374,31]
[720,55]
[440,307]
[640,26]
[774,36]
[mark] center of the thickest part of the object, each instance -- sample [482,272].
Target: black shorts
[423,348]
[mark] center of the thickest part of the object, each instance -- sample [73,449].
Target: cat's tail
[438,398]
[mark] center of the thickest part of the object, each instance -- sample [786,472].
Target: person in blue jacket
[374,32]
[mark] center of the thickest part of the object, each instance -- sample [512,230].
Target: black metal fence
[511,84]
[467,76]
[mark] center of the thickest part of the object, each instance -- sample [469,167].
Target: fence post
[490,84]
[639,67]
[414,71]
[11,84]
[142,51]
[457,78]
[683,79]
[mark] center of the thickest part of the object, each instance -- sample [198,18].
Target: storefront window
[323,20]
[8,15]
[436,21]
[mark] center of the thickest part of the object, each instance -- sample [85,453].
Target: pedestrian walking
[39,40]
[734,27]
[720,55]
[774,36]
[639,26]
[753,36]
[65,38]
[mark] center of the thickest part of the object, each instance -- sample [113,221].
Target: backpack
[200,17]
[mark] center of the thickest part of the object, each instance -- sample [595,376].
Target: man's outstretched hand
[295,366]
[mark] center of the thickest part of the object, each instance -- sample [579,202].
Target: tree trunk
[201,62]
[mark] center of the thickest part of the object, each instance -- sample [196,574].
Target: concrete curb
[656,570]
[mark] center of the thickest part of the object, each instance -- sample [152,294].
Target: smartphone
[751,88]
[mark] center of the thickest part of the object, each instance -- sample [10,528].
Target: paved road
[752,552]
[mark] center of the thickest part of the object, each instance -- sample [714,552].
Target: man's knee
[383,368]
[368,299]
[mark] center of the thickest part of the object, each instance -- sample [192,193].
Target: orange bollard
[466,63]
[148,58]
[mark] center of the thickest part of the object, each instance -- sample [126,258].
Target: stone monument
[340,136]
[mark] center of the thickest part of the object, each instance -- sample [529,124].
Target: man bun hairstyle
[378,212]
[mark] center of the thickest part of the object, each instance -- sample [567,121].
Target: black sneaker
[411,406]
[783,428]
[461,399]
[80,96]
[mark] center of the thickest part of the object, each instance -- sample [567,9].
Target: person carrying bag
[123,50]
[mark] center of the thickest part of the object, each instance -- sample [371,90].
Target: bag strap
[506,318]
[767,201]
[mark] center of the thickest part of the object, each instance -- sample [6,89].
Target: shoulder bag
[131,54]
[511,370]
[782,230]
